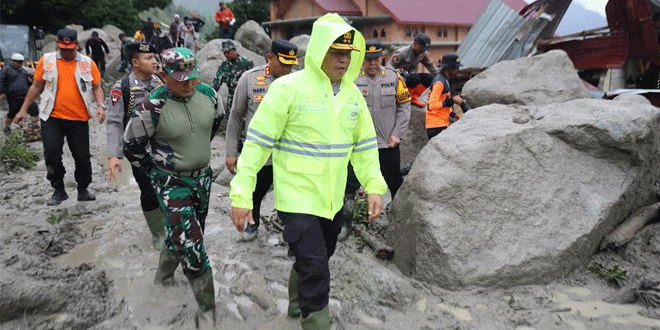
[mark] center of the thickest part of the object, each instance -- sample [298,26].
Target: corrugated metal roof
[342,7]
[461,12]
[491,36]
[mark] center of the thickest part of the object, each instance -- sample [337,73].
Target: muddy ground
[94,270]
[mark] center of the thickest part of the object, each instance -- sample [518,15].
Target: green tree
[245,10]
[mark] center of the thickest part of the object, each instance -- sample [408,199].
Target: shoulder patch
[258,98]
[115,95]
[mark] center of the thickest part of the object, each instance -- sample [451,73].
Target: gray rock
[491,202]
[253,37]
[415,138]
[538,80]
[301,41]
[112,33]
[76,27]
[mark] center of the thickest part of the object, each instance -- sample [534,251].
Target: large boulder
[253,37]
[415,137]
[513,195]
[301,41]
[542,79]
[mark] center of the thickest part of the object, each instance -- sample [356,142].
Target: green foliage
[15,153]
[613,275]
[214,34]
[361,210]
[55,219]
[245,10]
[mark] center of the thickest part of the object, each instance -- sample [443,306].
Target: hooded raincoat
[312,134]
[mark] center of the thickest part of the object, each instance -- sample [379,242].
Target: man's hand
[394,141]
[100,114]
[230,162]
[3,97]
[375,206]
[22,114]
[238,216]
[113,163]
[458,99]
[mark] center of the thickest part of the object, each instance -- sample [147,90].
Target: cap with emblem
[423,40]
[450,61]
[374,49]
[345,41]
[95,34]
[135,47]
[67,38]
[228,45]
[17,57]
[285,51]
[180,63]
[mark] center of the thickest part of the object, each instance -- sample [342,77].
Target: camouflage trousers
[185,203]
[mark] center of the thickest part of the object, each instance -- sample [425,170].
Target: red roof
[459,12]
[342,7]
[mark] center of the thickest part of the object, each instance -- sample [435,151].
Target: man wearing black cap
[250,90]
[405,60]
[160,41]
[14,86]
[388,101]
[95,46]
[124,96]
[441,101]
[148,29]
[124,58]
[70,87]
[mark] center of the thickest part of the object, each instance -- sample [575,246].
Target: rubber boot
[167,264]
[294,306]
[415,93]
[155,222]
[318,320]
[347,217]
[202,288]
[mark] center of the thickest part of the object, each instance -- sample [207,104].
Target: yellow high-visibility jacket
[312,134]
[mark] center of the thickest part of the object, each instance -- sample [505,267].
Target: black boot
[58,196]
[85,195]
[346,217]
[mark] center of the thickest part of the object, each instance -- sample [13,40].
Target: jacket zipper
[192,125]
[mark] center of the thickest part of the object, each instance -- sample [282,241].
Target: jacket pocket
[305,166]
[387,97]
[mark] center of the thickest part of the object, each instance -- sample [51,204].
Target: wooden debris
[627,230]
[381,250]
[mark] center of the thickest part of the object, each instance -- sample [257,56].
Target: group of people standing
[316,135]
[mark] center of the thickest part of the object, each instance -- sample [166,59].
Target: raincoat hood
[325,31]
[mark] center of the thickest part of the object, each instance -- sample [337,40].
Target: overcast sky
[594,5]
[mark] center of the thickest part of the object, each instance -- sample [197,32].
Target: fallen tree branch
[627,230]
[381,250]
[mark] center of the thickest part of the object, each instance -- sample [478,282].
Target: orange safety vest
[223,17]
[437,115]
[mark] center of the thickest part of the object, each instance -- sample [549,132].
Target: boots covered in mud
[317,320]
[167,264]
[347,216]
[155,222]
[204,292]
[294,306]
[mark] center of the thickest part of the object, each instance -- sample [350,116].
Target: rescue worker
[196,22]
[231,70]
[69,84]
[124,58]
[441,101]
[174,29]
[389,104]
[14,86]
[148,29]
[124,96]
[405,60]
[313,122]
[251,88]
[139,35]
[225,19]
[95,48]
[160,41]
[169,135]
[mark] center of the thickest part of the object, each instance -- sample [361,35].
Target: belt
[194,173]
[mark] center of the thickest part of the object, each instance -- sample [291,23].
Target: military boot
[155,222]
[167,264]
[294,306]
[318,320]
[204,292]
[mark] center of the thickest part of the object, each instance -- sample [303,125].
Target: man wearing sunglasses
[169,136]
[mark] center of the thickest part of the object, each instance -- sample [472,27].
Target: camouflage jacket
[229,72]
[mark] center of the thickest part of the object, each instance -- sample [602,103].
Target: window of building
[408,33]
[375,33]
[444,33]
[415,32]
[382,33]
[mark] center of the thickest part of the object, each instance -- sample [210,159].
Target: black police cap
[285,51]
[136,47]
[345,41]
[374,49]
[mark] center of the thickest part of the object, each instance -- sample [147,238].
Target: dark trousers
[100,63]
[53,133]
[431,132]
[264,181]
[148,199]
[390,163]
[226,32]
[415,79]
[313,240]
[15,104]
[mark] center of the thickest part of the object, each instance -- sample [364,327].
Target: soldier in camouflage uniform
[252,86]
[125,94]
[405,61]
[231,70]
[170,136]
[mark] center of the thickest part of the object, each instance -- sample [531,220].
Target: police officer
[231,70]
[388,101]
[405,60]
[124,96]
[251,88]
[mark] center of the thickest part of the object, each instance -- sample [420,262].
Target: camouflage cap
[228,45]
[180,63]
